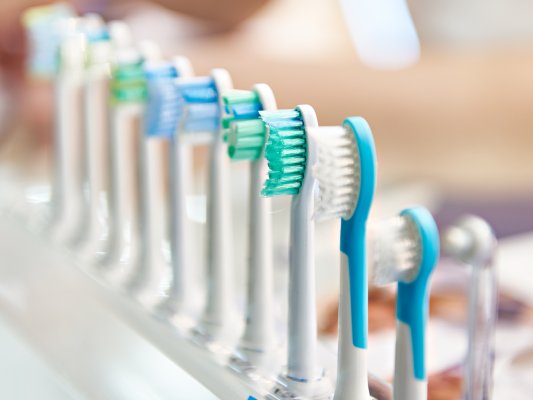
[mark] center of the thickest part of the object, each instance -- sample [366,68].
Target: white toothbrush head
[471,240]
[396,251]
[337,171]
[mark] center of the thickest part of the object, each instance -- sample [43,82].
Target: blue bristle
[202,117]
[198,90]
[201,109]
[163,106]
[101,35]
[244,110]
[45,37]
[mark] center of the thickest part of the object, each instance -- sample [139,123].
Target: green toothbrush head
[245,131]
[286,152]
[128,83]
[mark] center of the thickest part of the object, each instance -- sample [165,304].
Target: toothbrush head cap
[470,239]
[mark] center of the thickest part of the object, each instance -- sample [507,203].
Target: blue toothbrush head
[47,26]
[406,250]
[163,101]
[201,108]
[413,291]
[428,243]
[346,173]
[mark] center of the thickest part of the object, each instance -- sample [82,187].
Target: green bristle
[240,97]
[246,139]
[286,152]
[128,84]
[245,132]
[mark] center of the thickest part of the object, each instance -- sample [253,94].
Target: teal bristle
[245,132]
[286,152]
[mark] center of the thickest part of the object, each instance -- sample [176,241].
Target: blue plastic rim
[412,302]
[353,230]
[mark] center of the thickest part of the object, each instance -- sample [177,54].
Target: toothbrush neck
[353,238]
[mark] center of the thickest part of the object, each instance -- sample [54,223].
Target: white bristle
[395,251]
[337,171]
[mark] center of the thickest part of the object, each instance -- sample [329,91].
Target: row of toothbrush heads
[141,116]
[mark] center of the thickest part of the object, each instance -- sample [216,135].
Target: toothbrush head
[94,28]
[246,132]
[345,170]
[471,240]
[286,152]
[201,111]
[162,109]
[98,38]
[337,171]
[128,82]
[47,26]
[405,248]
[119,34]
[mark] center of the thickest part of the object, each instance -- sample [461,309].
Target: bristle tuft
[201,110]
[245,131]
[286,152]
[396,251]
[162,110]
[337,171]
[128,84]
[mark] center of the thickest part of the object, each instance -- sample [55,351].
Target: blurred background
[453,130]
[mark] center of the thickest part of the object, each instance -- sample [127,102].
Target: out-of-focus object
[180,176]
[346,174]
[45,25]
[57,52]
[151,272]
[383,32]
[203,103]
[93,229]
[128,94]
[406,250]
[246,141]
[472,241]
[68,187]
